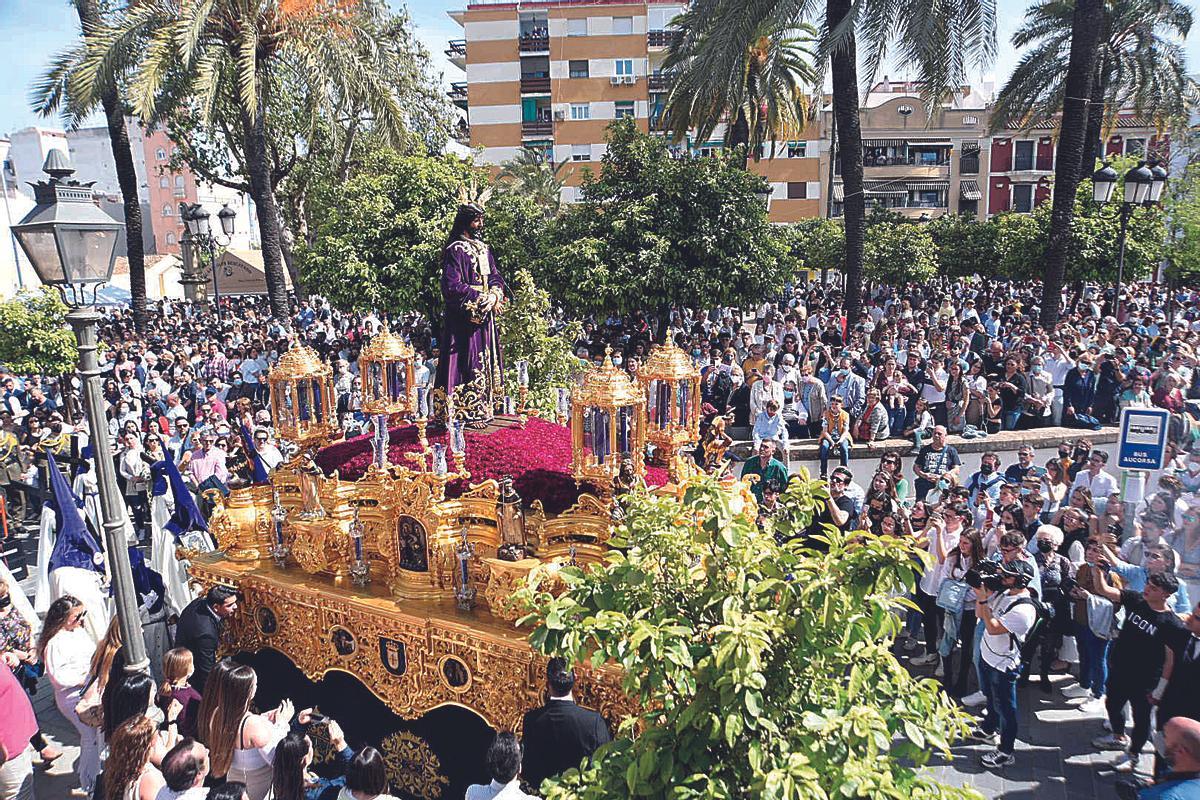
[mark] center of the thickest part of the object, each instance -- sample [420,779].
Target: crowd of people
[962,358]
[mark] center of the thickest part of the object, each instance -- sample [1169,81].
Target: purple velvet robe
[470,365]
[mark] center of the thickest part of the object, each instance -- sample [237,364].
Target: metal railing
[537,127]
[658,82]
[663,38]
[457,47]
[534,42]
[535,84]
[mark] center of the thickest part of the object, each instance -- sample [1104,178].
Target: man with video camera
[1007,612]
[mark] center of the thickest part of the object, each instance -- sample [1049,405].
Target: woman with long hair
[178,666]
[241,744]
[1054,488]
[957,396]
[291,779]
[128,772]
[126,697]
[961,631]
[893,465]
[66,649]
[940,538]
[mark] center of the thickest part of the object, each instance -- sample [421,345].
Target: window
[578,69]
[797,190]
[171,238]
[968,163]
[797,149]
[970,119]
[1135,147]
[622,24]
[968,207]
[581,152]
[1022,197]
[167,210]
[581,111]
[179,182]
[623,109]
[577,27]
[164,182]
[624,66]
[160,154]
[1023,155]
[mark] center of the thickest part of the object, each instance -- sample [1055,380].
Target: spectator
[934,462]
[128,771]
[1182,746]
[504,763]
[560,734]
[241,744]
[1100,483]
[66,649]
[178,667]
[767,467]
[769,425]
[184,770]
[291,779]
[367,777]
[17,726]
[199,629]
[835,435]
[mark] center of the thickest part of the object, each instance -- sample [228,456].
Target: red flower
[538,457]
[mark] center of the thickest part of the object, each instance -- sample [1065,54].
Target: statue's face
[476,226]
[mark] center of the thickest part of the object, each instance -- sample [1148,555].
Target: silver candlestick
[464,593]
[360,570]
[279,548]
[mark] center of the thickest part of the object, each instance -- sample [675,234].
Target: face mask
[5,601]
[788,395]
[1193,467]
[1045,545]
[942,486]
[616,361]
[986,469]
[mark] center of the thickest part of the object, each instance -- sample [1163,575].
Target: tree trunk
[844,69]
[1095,125]
[287,247]
[118,137]
[1085,36]
[739,136]
[259,166]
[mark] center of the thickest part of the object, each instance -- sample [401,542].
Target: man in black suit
[560,734]
[199,630]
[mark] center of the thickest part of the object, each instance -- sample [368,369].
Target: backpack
[1042,614]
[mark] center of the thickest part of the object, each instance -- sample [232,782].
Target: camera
[985,574]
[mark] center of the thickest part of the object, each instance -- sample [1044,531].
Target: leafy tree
[764,99]
[527,174]
[196,53]
[54,92]
[1183,209]
[938,41]
[965,245]
[816,243]
[526,333]
[762,670]
[1140,66]
[34,337]
[652,231]
[380,242]
[900,253]
[1020,242]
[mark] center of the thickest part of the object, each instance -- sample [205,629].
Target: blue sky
[31,31]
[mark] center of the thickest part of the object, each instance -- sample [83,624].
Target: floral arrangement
[538,457]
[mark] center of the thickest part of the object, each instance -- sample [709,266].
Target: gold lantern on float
[303,408]
[608,425]
[386,366]
[670,383]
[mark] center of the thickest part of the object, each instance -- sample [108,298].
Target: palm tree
[244,50]
[764,98]
[940,40]
[1140,66]
[52,94]
[1086,23]
[529,175]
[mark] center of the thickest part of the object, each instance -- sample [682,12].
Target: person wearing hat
[1006,612]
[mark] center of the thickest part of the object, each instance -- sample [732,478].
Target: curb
[1039,438]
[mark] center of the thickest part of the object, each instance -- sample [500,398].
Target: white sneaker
[925,660]
[1075,691]
[1093,706]
[977,699]
[1125,762]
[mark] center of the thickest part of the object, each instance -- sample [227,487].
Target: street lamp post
[72,244]
[199,226]
[1143,186]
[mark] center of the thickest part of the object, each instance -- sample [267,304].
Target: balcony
[535,42]
[458,93]
[658,82]
[457,53]
[537,127]
[661,39]
[532,84]
[908,170]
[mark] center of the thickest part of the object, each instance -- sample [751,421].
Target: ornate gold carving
[412,766]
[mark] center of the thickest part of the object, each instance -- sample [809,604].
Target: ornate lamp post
[72,244]
[1143,187]
[199,227]
[387,370]
[608,419]
[305,415]
[671,385]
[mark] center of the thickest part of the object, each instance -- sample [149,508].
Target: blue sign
[1143,442]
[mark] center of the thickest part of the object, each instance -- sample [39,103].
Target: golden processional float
[401,577]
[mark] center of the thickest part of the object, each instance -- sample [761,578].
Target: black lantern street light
[764,193]
[198,223]
[1143,187]
[72,245]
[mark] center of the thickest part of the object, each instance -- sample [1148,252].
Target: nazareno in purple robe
[470,367]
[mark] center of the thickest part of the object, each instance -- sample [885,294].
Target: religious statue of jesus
[469,384]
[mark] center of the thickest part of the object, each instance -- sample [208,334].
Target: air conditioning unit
[631,79]
[559,116]
[616,80]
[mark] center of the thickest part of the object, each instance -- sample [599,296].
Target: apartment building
[552,75]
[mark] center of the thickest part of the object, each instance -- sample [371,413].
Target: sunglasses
[837,480]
